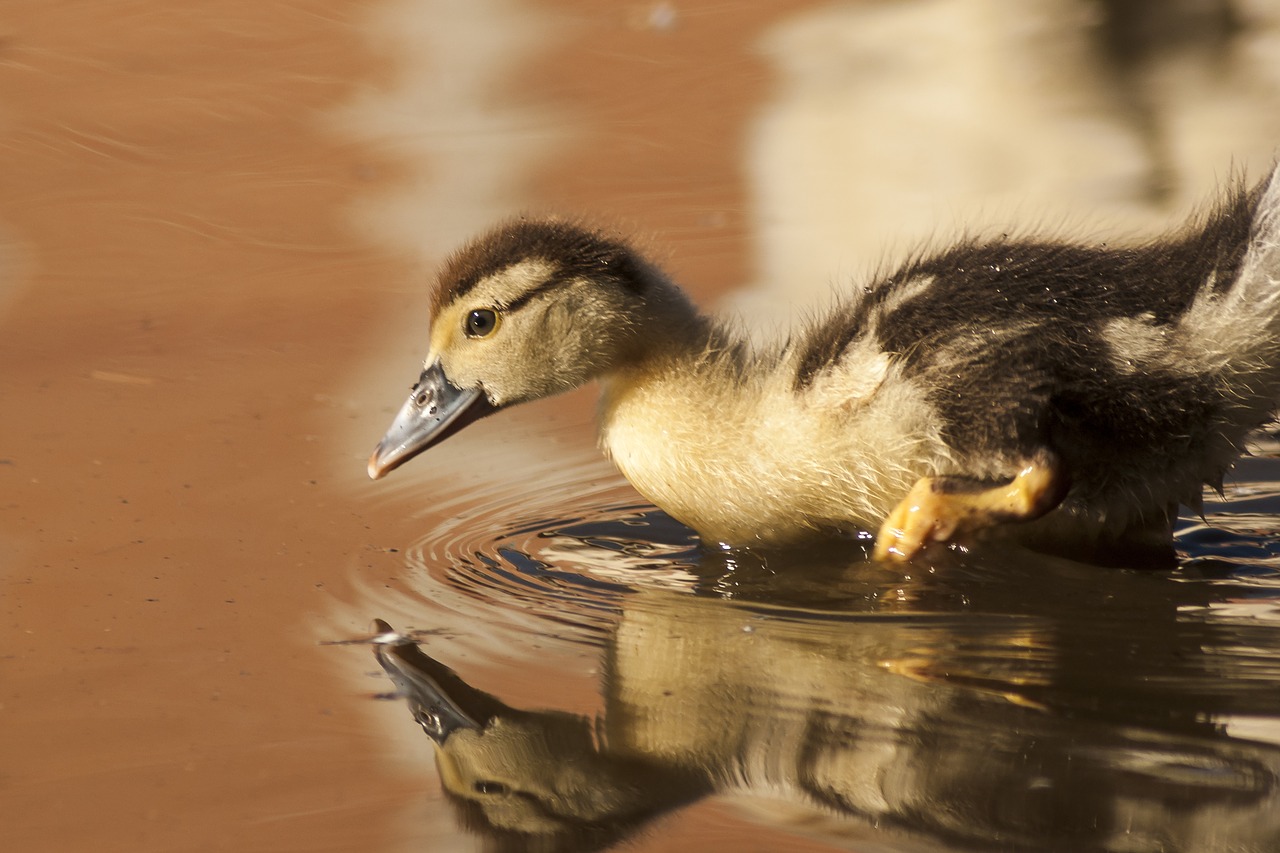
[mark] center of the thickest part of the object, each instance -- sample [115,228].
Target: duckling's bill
[435,410]
[441,703]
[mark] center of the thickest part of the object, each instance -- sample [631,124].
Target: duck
[1060,395]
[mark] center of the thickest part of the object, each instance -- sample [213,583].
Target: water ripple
[554,553]
[557,560]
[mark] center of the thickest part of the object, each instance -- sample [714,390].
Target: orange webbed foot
[940,509]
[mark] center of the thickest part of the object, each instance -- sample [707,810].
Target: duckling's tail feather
[1240,323]
[1260,271]
[1232,328]
[1204,379]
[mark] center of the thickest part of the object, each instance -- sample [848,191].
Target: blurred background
[218,221]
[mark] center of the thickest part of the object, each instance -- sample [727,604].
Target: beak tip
[418,426]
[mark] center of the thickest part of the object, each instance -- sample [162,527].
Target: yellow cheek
[451,776]
[444,332]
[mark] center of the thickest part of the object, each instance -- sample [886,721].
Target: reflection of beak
[441,702]
[435,410]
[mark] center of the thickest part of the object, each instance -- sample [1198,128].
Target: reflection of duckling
[540,780]
[810,724]
[1085,391]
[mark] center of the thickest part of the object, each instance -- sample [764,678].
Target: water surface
[982,699]
[216,229]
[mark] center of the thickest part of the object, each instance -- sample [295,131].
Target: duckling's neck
[674,347]
[670,336]
[682,422]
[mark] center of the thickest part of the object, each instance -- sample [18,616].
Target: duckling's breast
[756,462]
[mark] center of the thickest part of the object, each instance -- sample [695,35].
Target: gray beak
[441,702]
[435,410]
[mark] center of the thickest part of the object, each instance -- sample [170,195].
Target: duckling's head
[531,309]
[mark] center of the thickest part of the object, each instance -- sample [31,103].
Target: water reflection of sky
[1002,701]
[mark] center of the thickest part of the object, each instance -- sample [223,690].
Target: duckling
[1065,397]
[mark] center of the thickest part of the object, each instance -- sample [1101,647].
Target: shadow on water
[983,700]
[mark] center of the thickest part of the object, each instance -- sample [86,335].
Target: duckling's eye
[495,788]
[481,323]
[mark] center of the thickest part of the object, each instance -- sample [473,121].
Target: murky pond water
[215,223]
[987,699]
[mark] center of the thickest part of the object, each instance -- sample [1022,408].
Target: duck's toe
[924,516]
[939,509]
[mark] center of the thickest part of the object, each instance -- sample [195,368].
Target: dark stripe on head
[554,283]
[575,252]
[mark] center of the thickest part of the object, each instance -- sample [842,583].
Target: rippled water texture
[989,699]
[217,224]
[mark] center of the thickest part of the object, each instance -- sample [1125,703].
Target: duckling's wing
[1141,369]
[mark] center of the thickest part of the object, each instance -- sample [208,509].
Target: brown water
[215,224]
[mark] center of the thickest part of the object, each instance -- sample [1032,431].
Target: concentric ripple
[554,557]
[553,552]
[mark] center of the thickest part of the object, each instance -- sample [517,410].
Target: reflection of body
[970,732]
[1083,391]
